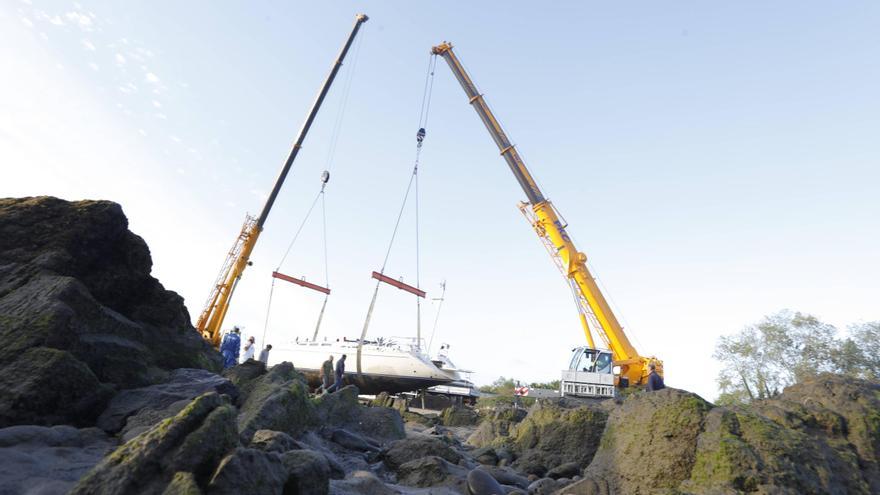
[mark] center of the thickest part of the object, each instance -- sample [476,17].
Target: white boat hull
[383,368]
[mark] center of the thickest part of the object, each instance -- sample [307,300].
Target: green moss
[503,400]
[183,483]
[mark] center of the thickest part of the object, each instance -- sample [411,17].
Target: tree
[501,386]
[553,385]
[789,347]
[865,338]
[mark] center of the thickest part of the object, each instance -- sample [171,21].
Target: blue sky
[715,162]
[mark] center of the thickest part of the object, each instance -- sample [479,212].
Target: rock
[424,420]
[202,449]
[566,470]
[48,460]
[485,455]
[278,400]
[496,427]
[506,476]
[658,431]
[341,459]
[745,450]
[416,447]
[183,483]
[76,293]
[342,410]
[249,471]
[459,416]
[563,481]
[49,386]
[385,400]
[308,472]
[480,482]
[154,403]
[353,441]
[190,441]
[505,456]
[587,486]
[543,486]
[361,483]
[431,471]
[146,418]
[273,441]
[554,434]
[243,376]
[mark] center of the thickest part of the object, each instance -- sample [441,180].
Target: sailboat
[392,366]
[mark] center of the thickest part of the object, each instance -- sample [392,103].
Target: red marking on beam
[303,283]
[397,283]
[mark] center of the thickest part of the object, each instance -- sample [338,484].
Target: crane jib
[592,304]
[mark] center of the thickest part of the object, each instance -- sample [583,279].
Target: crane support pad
[303,283]
[400,285]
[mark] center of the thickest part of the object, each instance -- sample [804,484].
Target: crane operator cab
[590,373]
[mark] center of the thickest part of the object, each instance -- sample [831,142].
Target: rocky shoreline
[106,388]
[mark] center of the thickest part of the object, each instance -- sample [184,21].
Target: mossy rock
[656,432]
[48,386]
[551,435]
[183,483]
[459,416]
[148,462]
[278,400]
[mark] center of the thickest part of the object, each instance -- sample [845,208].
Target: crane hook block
[325,177]
[420,136]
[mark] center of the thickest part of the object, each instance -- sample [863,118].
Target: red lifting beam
[303,283]
[397,283]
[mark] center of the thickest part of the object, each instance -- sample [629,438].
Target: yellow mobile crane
[590,369]
[238,258]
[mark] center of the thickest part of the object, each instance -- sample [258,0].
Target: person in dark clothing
[264,354]
[340,373]
[655,381]
[326,374]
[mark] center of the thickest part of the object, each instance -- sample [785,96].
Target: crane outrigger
[217,305]
[590,370]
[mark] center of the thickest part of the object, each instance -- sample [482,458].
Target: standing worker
[264,354]
[249,349]
[327,373]
[230,348]
[655,381]
[340,373]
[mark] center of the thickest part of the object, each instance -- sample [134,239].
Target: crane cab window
[603,363]
[590,360]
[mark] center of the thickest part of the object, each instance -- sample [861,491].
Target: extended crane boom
[592,305]
[238,258]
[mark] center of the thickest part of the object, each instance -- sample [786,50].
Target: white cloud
[175,139]
[152,78]
[27,22]
[157,104]
[181,171]
[142,132]
[79,19]
[88,45]
[161,116]
[120,59]
[94,66]
[128,88]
